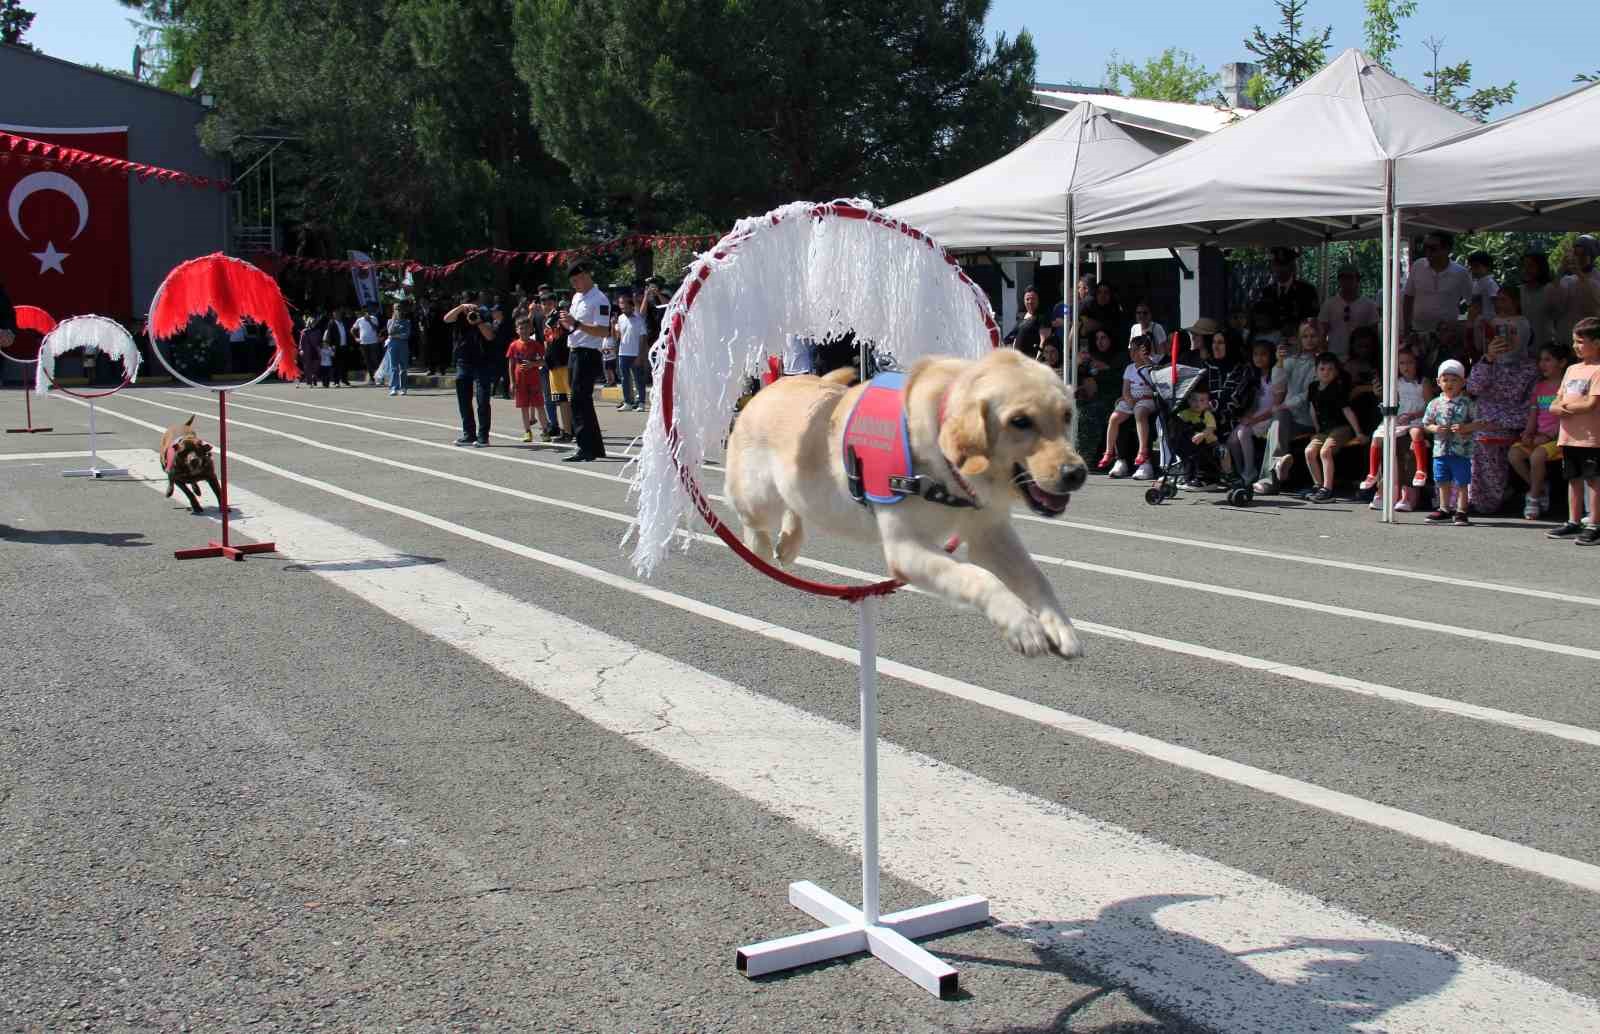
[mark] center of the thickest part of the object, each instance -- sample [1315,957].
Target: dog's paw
[1064,639]
[1026,634]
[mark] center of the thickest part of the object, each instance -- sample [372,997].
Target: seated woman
[1499,383]
[1099,385]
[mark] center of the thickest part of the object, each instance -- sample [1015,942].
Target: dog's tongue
[1048,500]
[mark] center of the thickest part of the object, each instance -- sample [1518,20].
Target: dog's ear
[964,437]
[205,448]
[189,422]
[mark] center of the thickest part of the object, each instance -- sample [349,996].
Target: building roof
[73,67]
[1185,121]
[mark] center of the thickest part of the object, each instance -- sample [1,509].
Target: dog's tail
[189,422]
[845,375]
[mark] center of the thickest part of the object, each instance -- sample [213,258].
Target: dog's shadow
[61,537]
[382,563]
[1318,985]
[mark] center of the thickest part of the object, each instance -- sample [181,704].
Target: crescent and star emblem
[49,259]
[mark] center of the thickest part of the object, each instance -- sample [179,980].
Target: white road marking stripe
[1438,578]
[1469,842]
[1311,676]
[19,456]
[1434,627]
[1215,944]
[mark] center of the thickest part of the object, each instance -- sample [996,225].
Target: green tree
[1176,75]
[1382,27]
[15,21]
[798,99]
[1288,56]
[1451,86]
[1586,77]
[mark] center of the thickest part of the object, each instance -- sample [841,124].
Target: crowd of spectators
[1493,371]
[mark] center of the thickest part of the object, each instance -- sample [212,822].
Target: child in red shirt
[523,360]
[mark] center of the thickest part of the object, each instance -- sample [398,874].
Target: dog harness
[877,449]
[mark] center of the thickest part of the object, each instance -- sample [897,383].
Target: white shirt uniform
[367,330]
[1160,340]
[1438,293]
[589,307]
[1363,312]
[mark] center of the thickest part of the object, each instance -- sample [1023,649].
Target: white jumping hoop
[815,271]
[92,334]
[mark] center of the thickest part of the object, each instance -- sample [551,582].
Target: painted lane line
[1521,857]
[16,457]
[1399,621]
[1310,676]
[1212,943]
[1221,547]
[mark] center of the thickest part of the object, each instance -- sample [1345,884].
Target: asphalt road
[438,764]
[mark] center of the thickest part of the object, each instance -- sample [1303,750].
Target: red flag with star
[64,232]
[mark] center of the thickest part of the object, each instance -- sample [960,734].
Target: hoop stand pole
[95,470]
[27,402]
[849,930]
[225,548]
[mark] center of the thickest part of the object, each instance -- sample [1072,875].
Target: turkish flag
[64,230]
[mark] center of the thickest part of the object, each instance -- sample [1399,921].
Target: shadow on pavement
[369,564]
[1324,985]
[58,537]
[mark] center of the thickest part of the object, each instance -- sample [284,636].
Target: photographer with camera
[472,331]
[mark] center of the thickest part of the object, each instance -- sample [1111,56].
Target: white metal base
[848,933]
[96,472]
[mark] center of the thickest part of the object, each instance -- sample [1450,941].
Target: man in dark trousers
[473,337]
[589,320]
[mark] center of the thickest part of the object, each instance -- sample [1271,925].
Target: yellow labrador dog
[987,432]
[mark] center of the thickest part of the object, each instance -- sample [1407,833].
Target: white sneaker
[1377,500]
[1145,472]
[1119,469]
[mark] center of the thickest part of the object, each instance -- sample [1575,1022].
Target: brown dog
[187,461]
[991,432]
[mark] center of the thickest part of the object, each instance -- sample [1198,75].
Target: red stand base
[28,430]
[230,551]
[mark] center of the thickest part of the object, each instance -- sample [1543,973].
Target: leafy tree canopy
[1381,27]
[15,21]
[1290,55]
[1176,75]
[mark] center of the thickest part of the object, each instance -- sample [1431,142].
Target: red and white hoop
[231,291]
[30,318]
[815,270]
[92,334]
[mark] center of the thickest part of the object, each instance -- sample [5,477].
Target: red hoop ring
[848,593]
[38,318]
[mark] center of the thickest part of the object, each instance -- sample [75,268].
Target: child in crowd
[1507,322]
[1578,406]
[325,355]
[557,353]
[1333,423]
[1531,454]
[1138,402]
[1255,414]
[1451,419]
[524,358]
[1480,266]
[1194,435]
[1411,398]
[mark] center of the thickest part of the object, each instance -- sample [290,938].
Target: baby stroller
[1170,386]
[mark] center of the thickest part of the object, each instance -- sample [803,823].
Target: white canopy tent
[1536,170]
[1020,201]
[1309,168]
[1024,200]
[1317,165]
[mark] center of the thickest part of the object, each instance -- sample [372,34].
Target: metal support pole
[867,621]
[95,470]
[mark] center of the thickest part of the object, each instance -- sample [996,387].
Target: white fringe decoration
[799,269]
[92,334]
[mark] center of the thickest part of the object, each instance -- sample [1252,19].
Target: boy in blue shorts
[1451,418]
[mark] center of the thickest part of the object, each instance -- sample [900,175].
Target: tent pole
[1389,484]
